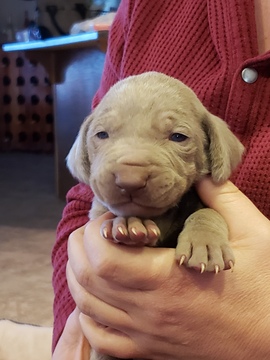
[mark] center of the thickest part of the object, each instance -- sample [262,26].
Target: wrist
[72,343]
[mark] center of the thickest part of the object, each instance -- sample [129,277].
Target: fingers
[131,231]
[77,255]
[96,308]
[95,262]
[239,212]
[107,340]
[132,267]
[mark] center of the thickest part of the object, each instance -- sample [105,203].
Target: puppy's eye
[178,137]
[102,135]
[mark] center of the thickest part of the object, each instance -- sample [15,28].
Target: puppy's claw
[182,260]
[217,269]
[231,265]
[203,267]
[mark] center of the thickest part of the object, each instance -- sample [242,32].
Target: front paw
[203,244]
[131,231]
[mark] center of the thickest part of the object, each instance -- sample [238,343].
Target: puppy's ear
[224,149]
[77,159]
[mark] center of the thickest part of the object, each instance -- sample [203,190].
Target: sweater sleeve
[75,215]
[112,71]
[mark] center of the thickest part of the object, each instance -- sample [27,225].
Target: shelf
[52,43]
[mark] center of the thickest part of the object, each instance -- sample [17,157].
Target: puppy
[142,150]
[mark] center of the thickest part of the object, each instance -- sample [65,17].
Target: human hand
[130,231]
[72,343]
[139,304]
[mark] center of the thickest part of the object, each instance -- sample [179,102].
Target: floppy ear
[224,149]
[77,159]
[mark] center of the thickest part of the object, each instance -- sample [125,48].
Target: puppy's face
[145,145]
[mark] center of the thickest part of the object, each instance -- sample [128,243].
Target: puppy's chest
[172,223]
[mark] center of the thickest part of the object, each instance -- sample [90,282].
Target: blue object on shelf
[51,42]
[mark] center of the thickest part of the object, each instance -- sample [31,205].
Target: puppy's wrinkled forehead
[148,92]
[149,95]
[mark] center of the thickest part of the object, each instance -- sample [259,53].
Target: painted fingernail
[156,232]
[105,233]
[134,231]
[121,230]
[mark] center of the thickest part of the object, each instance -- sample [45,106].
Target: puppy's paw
[131,231]
[203,244]
[207,256]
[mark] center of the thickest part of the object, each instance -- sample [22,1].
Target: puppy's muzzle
[131,178]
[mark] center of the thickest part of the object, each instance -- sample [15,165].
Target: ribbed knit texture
[206,44]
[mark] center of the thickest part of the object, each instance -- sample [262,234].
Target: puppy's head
[147,142]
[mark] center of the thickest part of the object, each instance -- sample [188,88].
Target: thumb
[244,220]
[72,343]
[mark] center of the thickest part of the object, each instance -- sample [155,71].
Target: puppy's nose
[131,178]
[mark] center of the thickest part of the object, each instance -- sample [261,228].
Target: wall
[26,111]
[65,16]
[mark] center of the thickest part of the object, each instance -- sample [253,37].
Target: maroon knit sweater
[206,44]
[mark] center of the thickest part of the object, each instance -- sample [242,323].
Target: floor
[29,213]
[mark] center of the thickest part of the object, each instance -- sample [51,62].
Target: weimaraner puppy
[142,150]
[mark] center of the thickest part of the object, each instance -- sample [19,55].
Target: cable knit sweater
[206,44]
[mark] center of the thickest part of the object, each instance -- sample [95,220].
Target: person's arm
[72,344]
[74,216]
[137,302]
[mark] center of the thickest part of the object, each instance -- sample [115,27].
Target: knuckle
[83,277]
[76,234]
[85,306]
[104,267]
[78,278]
[80,301]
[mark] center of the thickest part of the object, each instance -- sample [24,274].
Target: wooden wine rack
[26,111]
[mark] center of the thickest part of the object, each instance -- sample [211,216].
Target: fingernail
[121,230]
[105,233]
[156,232]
